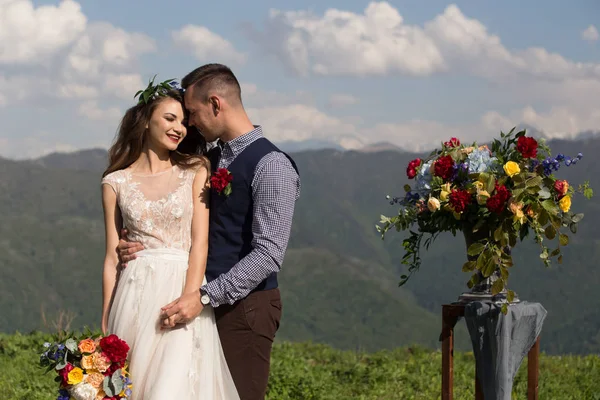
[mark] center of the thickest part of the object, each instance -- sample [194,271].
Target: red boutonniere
[221,181]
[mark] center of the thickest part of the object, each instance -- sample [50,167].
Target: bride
[159,194]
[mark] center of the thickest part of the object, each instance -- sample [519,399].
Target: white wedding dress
[186,362]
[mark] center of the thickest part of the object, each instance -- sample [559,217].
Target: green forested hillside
[339,280]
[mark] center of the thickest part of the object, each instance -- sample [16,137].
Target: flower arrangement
[89,367]
[220,181]
[495,196]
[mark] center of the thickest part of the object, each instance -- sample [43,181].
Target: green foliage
[305,371]
[153,91]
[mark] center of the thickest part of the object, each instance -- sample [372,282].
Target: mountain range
[339,279]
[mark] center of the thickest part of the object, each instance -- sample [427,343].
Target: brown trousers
[247,330]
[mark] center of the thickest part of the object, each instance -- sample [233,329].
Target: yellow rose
[75,376]
[87,362]
[445,193]
[95,379]
[519,216]
[87,346]
[433,204]
[482,197]
[565,203]
[511,168]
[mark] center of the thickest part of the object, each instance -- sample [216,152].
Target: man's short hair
[213,78]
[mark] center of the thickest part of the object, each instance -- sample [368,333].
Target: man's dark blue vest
[230,231]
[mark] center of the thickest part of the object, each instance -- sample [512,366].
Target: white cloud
[91,110]
[123,86]
[299,122]
[206,45]
[377,42]
[558,121]
[467,46]
[255,97]
[76,91]
[29,34]
[590,34]
[342,100]
[105,48]
[63,57]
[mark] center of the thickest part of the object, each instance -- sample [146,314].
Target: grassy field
[308,371]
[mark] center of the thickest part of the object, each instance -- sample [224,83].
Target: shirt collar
[238,144]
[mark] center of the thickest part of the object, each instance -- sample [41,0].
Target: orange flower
[95,379]
[87,362]
[87,346]
[101,362]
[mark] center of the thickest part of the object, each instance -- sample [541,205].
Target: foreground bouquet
[495,196]
[89,367]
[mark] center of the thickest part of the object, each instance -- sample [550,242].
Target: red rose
[561,188]
[497,202]
[527,146]
[114,348]
[459,200]
[220,179]
[444,167]
[411,170]
[64,373]
[453,142]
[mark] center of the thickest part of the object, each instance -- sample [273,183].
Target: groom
[249,229]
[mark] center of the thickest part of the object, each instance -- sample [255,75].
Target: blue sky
[352,72]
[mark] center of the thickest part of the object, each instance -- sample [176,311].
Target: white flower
[83,391]
[177,212]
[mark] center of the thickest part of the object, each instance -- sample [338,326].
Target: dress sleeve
[112,181]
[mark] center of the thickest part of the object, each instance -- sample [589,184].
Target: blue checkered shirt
[275,189]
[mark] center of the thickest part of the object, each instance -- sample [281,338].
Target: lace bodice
[157,209]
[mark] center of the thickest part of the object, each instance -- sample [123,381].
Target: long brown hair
[130,139]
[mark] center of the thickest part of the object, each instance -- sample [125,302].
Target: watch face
[205,300]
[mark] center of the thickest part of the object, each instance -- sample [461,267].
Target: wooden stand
[450,315]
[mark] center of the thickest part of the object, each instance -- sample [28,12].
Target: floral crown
[153,91]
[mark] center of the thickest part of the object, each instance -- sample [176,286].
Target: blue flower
[423,179]
[461,172]
[128,392]
[63,394]
[533,165]
[409,198]
[479,160]
[175,85]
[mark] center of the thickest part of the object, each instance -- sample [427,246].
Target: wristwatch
[204,299]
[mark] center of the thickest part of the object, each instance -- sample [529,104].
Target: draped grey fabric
[500,342]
